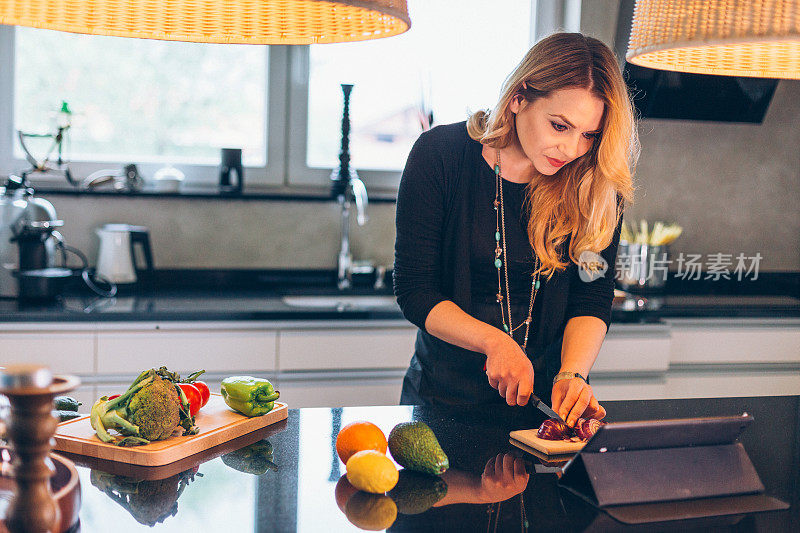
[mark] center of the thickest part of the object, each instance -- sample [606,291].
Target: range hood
[684,96]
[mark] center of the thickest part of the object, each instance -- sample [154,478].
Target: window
[452,62]
[129,104]
[154,102]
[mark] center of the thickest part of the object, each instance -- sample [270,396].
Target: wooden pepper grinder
[30,390]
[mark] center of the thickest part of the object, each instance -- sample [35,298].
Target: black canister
[231,163]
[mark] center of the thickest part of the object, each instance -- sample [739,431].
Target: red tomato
[194,397]
[205,392]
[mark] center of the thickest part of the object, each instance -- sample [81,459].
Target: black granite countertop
[490,482]
[272,296]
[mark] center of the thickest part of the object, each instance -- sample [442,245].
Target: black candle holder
[231,165]
[341,176]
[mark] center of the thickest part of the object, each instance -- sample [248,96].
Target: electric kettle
[116,259]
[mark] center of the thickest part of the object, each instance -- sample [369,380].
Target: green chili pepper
[248,395]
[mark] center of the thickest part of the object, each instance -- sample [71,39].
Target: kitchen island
[301,494]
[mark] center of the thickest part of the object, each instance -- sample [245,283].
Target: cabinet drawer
[64,353]
[719,383]
[185,351]
[341,392]
[637,348]
[345,349]
[731,345]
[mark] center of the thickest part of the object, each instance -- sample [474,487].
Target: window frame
[268,176]
[286,102]
[299,173]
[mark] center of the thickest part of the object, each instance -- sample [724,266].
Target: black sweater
[433,250]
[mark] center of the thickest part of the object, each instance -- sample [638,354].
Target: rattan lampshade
[216,21]
[756,38]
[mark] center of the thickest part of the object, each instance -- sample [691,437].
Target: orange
[343,491]
[358,436]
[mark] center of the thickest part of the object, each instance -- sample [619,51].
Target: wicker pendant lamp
[754,38]
[216,21]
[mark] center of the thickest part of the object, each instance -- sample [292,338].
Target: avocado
[66,403]
[415,492]
[414,446]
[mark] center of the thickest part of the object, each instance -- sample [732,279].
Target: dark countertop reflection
[208,305]
[203,305]
[252,294]
[293,482]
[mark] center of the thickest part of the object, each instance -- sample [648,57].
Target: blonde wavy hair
[582,202]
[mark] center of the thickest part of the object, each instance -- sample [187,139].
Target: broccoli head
[155,410]
[151,409]
[150,502]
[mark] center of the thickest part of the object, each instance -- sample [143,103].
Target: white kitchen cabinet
[64,352]
[734,341]
[607,388]
[336,363]
[308,389]
[351,348]
[700,382]
[634,349]
[185,350]
[714,382]
[713,358]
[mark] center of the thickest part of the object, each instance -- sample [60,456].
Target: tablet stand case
[666,461]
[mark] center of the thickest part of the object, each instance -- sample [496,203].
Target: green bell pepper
[255,459]
[248,395]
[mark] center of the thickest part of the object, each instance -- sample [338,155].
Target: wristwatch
[568,375]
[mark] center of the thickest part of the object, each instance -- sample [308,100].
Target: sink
[341,303]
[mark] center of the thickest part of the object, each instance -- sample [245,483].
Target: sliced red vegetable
[585,428]
[552,429]
[113,396]
[194,397]
[205,392]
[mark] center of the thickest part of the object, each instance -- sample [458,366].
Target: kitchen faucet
[347,186]
[354,190]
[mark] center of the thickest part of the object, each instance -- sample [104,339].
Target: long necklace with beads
[501,263]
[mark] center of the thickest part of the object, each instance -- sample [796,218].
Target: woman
[494,216]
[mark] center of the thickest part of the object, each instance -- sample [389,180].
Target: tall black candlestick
[341,175]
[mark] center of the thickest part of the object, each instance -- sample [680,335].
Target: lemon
[373,512]
[371,471]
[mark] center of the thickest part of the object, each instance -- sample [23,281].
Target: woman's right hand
[509,370]
[503,477]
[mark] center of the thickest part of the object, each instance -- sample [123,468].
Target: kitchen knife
[540,405]
[543,407]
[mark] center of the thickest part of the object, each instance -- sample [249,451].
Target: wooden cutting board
[218,423]
[547,447]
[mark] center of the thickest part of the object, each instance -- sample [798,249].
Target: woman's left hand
[573,399]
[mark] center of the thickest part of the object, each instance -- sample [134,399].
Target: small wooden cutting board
[218,423]
[547,447]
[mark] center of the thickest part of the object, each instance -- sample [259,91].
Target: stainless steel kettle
[29,244]
[13,202]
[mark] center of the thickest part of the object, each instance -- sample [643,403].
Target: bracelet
[568,375]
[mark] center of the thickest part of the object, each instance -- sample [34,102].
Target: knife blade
[543,407]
